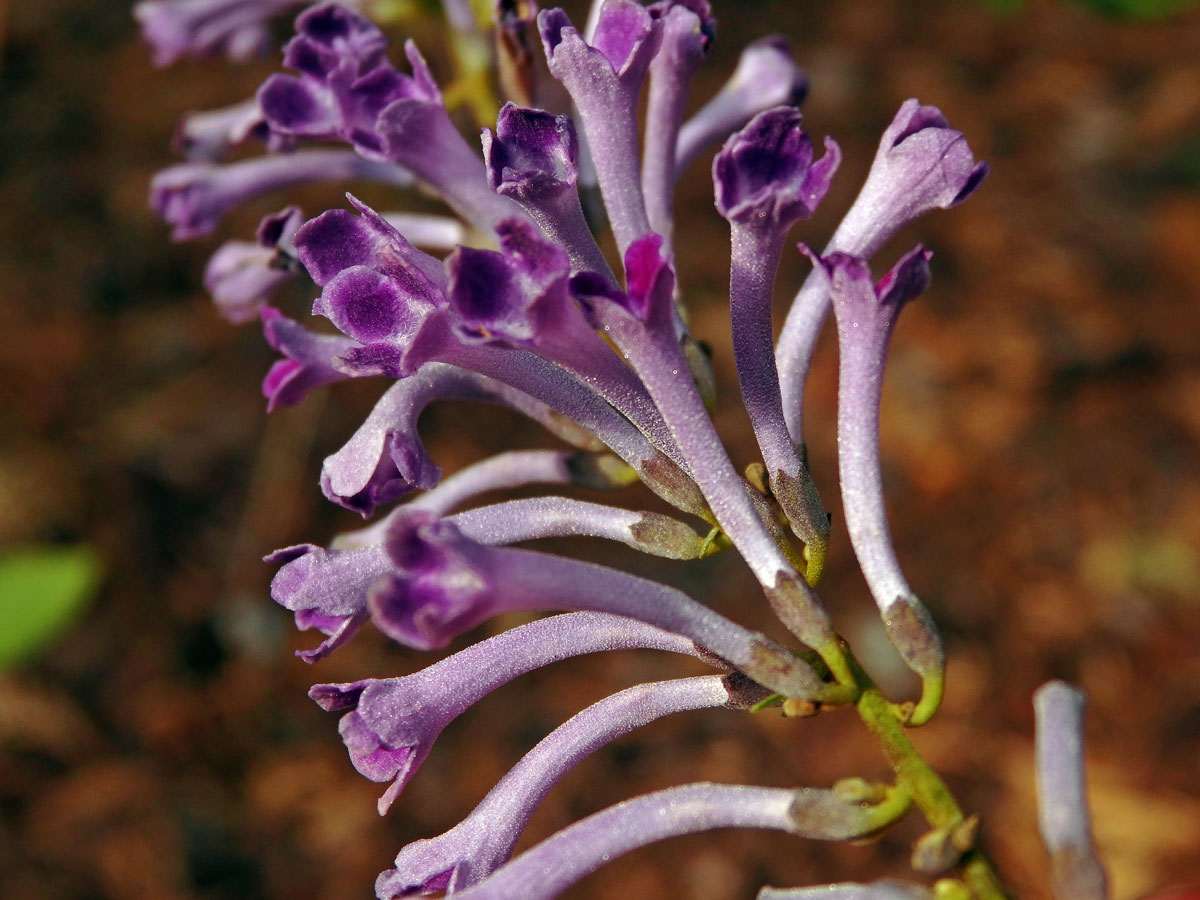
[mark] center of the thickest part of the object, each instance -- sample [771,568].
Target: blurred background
[1040,436]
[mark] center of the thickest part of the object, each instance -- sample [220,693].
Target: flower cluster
[510,300]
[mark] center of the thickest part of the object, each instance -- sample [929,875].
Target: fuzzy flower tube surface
[510,295]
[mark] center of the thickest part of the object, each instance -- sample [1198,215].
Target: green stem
[930,794]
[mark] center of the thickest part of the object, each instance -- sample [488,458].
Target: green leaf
[43,589]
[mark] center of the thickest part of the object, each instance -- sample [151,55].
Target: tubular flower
[512,301]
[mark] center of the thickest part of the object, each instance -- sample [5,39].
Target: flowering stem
[929,792]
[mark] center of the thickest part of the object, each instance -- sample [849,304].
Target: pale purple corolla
[189,29]
[483,841]
[688,28]
[386,459]
[242,276]
[1064,817]
[766,76]
[766,181]
[866,314]
[445,584]
[921,164]
[193,196]
[307,361]
[604,76]
[546,870]
[210,135]
[393,722]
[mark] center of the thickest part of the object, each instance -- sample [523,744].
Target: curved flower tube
[766,181]
[552,866]
[866,314]
[386,459]
[687,31]
[193,196]
[484,840]
[394,722]
[445,584]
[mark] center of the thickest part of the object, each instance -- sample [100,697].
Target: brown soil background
[1042,421]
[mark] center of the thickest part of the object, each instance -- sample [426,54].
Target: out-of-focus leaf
[1140,9]
[42,590]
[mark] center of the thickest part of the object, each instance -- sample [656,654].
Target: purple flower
[484,840]
[921,164]
[242,276]
[604,77]
[345,80]
[385,459]
[533,157]
[866,314]
[307,363]
[445,584]
[648,296]
[193,196]
[766,76]
[687,31]
[765,182]
[1063,816]
[327,589]
[548,869]
[181,29]
[324,589]
[348,90]
[377,289]
[210,135]
[765,177]
[394,722]
[519,295]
